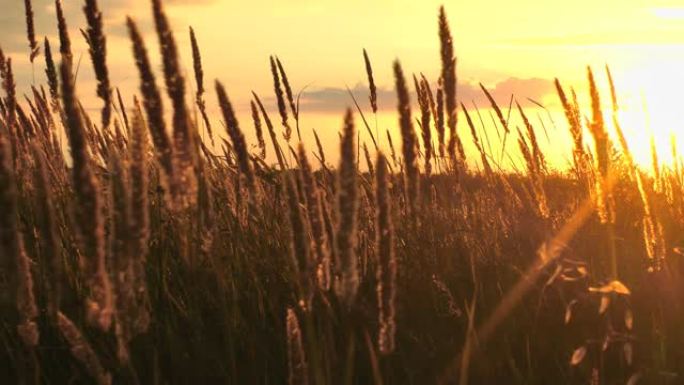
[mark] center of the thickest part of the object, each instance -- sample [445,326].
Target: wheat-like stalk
[64,40]
[483,155]
[199,80]
[387,263]
[121,252]
[15,262]
[539,159]
[369,161]
[314,210]
[236,135]
[603,148]
[496,108]
[282,109]
[298,368]
[50,247]
[30,30]
[572,117]
[290,96]
[408,136]
[655,164]
[449,83]
[536,174]
[439,118]
[124,114]
[97,43]
[51,73]
[424,97]
[10,107]
[183,133]
[654,240]
[346,264]
[140,217]
[154,110]
[300,244]
[271,132]
[89,218]
[373,97]
[82,351]
[258,129]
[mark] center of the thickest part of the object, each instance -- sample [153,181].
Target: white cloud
[671,13]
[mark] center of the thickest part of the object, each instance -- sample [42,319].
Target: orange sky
[510,46]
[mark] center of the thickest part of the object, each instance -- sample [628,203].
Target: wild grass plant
[129,255]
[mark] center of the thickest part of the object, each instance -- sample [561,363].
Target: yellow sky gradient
[320,43]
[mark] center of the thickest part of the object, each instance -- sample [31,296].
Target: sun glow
[650,108]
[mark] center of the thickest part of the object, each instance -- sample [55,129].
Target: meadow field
[150,242]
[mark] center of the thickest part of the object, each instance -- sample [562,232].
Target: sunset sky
[512,47]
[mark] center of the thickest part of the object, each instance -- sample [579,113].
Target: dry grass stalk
[271,132]
[120,252]
[298,368]
[476,141]
[140,220]
[433,111]
[602,145]
[48,236]
[205,209]
[373,97]
[497,110]
[30,30]
[449,82]
[346,265]
[40,115]
[655,164]
[439,118]
[97,43]
[64,40]
[124,114]
[428,92]
[258,129]
[387,263]
[536,173]
[288,93]
[538,155]
[408,136]
[199,79]
[393,153]
[152,103]
[300,245]
[572,116]
[423,92]
[236,136]
[10,107]
[319,146]
[82,351]
[676,166]
[51,73]
[314,210]
[89,218]
[183,133]
[282,109]
[369,162]
[654,239]
[15,262]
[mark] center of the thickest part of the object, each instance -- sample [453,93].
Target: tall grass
[134,258]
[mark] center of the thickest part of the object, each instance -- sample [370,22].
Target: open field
[150,243]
